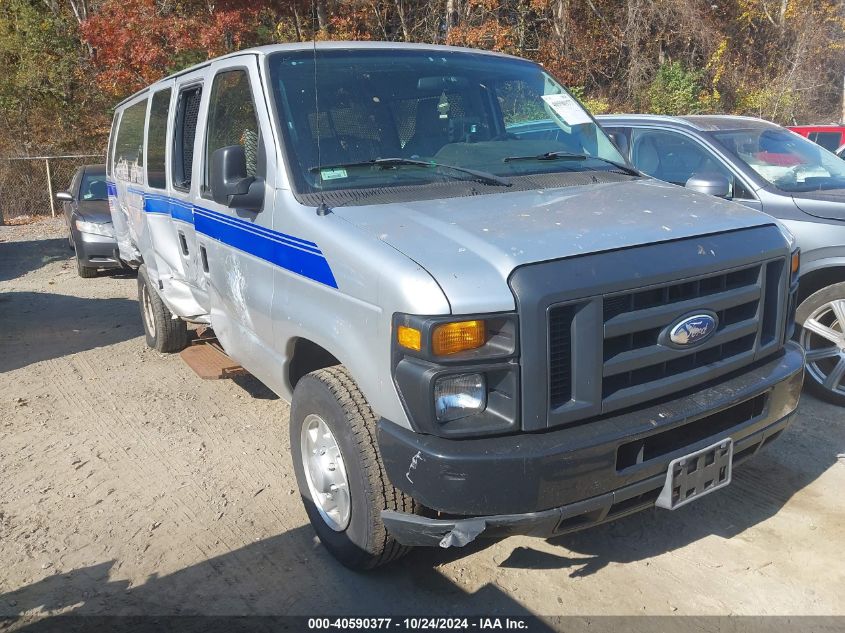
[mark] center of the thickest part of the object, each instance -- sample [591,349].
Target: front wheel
[339,470]
[822,320]
[163,332]
[86,272]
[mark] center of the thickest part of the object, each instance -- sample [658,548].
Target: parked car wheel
[163,332]
[86,272]
[339,470]
[822,320]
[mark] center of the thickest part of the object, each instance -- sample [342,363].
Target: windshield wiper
[386,163]
[572,156]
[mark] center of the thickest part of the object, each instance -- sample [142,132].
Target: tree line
[65,63]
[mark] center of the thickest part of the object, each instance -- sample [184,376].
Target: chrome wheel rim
[147,308]
[823,339]
[325,472]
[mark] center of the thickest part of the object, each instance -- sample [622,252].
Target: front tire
[821,317]
[339,470]
[163,333]
[86,272]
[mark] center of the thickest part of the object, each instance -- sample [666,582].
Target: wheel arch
[307,356]
[818,278]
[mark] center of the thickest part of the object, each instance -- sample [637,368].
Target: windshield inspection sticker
[332,174]
[567,109]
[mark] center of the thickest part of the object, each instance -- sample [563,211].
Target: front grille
[560,354]
[593,329]
[634,320]
[635,364]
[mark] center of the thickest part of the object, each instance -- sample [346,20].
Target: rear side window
[232,119]
[157,139]
[187,112]
[129,146]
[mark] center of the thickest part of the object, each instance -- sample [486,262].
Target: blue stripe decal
[295,254]
[299,261]
[153,205]
[282,238]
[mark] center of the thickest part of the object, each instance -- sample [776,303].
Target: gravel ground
[130,486]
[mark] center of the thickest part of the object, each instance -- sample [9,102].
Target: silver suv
[766,167]
[479,332]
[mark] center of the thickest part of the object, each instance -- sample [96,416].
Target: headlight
[457,376]
[459,395]
[106,229]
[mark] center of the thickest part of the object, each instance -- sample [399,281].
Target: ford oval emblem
[692,329]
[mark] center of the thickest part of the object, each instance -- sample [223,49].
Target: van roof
[320,46]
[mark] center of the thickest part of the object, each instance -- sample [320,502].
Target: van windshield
[387,118]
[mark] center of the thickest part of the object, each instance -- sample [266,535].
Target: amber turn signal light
[451,338]
[409,337]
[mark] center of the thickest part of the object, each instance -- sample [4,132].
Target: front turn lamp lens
[796,264]
[459,396]
[409,337]
[451,338]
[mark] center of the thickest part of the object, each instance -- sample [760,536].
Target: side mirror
[713,184]
[230,185]
[64,196]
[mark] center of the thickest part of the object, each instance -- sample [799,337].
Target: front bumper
[96,251]
[554,482]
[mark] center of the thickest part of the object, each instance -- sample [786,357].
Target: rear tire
[163,333]
[821,319]
[350,528]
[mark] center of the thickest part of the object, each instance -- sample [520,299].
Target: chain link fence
[28,185]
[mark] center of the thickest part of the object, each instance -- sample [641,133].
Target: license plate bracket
[697,474]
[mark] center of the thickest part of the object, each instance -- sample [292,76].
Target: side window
[112,140]
[828,140]
[676,158]
[740,191]
[185,131]
[157,139]
[129,146]
[232,120]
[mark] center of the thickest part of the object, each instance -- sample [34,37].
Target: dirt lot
[130,486]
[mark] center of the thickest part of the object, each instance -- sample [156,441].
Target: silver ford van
[481,332]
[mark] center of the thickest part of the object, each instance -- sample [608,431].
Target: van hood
[471,245]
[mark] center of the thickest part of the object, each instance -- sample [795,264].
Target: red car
[831,137]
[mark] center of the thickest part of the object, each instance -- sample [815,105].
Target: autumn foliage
[70,61]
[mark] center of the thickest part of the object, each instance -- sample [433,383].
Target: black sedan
[86,208]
